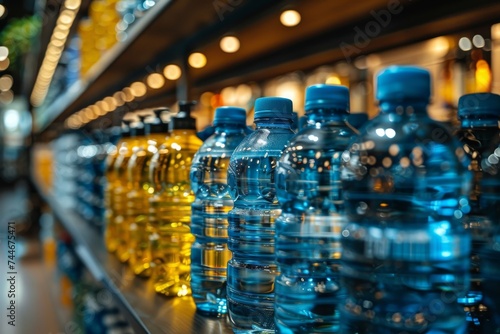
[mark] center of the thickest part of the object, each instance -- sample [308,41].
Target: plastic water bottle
[357,120]
[209,253]
[479,116]
[405,252]
[251,178]
[488,202]
[308,249]
[170,208]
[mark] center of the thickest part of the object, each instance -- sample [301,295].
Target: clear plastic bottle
[405,252]
[251,178]
[479,116]
[307,291]
[113,181]
[209,253]
[122,212]
[138,198]
[170,208]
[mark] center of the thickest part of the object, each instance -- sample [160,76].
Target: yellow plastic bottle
[156,131]
[170,208]
[121,194]
[112,182]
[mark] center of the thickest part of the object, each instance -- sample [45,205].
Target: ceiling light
[155,80]
[6,83]
[138,89]
[7,97]
[4,64]
[104,106]
[72,4]
[111,102]
[478,41]
[465,44]
[229,44]
[197,60]
[119,98]
[333,80]
[172,72]
[4,53]
[2,10]
[290,18]
[128,96]
[54,51]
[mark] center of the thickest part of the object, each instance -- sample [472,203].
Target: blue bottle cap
[327,96]
[274,107]
[230,115]
[396,83]
[479,104]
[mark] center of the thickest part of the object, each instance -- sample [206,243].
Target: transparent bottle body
[116,190]
[477,135]
[170,213]
[490,253]
[252,269]
[405,250]
[209,223]
[308,231]
[123,197]
[109,200]
[135,242]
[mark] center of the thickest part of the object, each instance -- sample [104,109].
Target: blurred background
[71,70]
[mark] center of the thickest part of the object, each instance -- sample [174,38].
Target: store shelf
[45,116]
[167,31]
[146,311]
[173,29]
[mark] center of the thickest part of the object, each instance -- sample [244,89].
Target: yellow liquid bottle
[112,182]
[122,204]
[170,208]
[138,198]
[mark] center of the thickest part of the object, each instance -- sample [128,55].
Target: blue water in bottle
[308,251]
[251,178]
[489,206]
[479,116]
[405,252]
[209,253]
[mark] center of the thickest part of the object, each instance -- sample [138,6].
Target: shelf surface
[146,311]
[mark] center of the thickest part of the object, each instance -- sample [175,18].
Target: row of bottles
[326,228]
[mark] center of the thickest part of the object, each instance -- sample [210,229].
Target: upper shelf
[146,311]
[173,29]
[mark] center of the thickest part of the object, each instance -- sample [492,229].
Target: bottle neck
[404,107]
[229,128]
[326,115]
[480,121]
[273,123]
